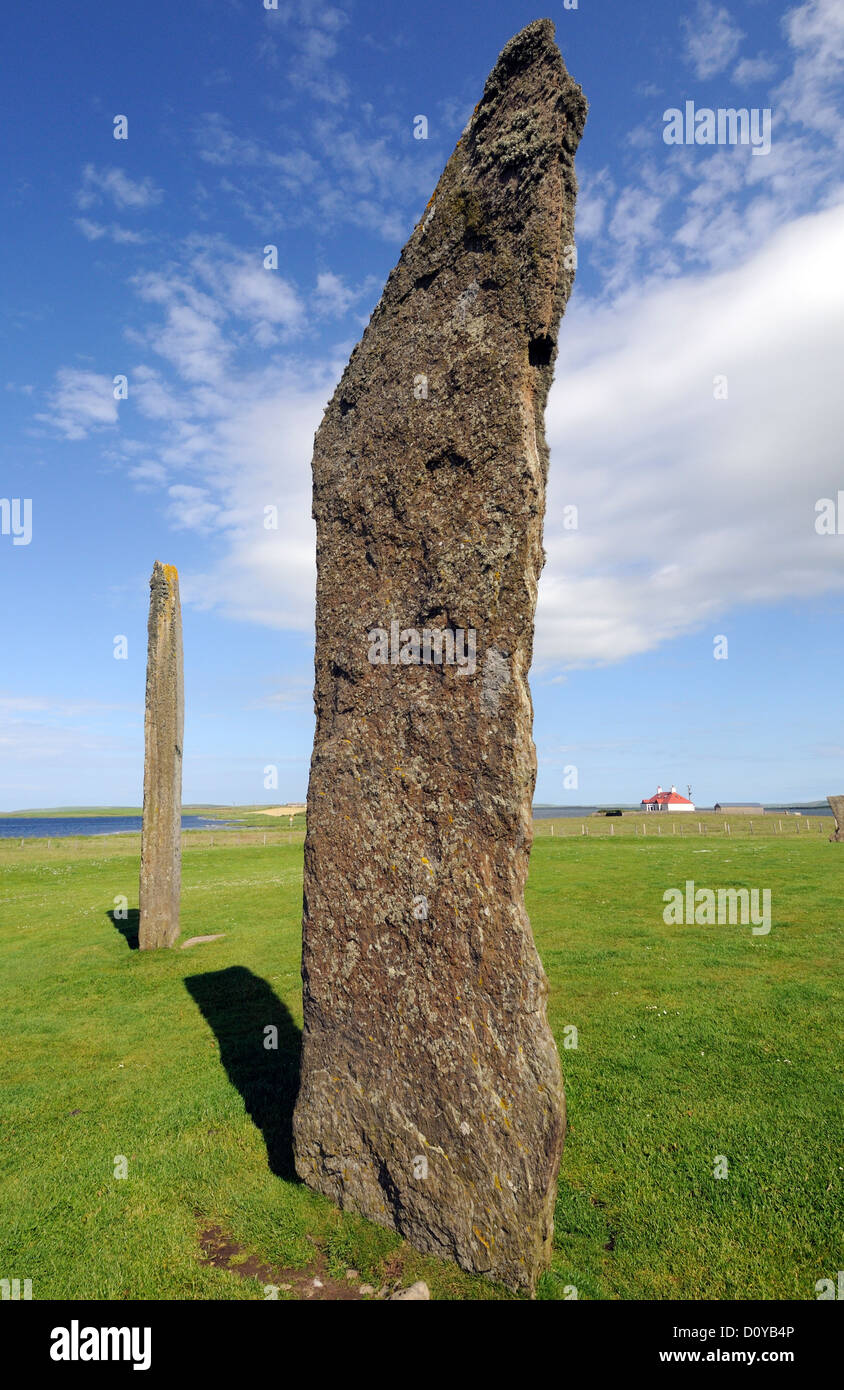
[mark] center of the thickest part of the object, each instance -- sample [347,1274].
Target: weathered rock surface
[417,1293]
[431,1095]
[837,804]
[161,836]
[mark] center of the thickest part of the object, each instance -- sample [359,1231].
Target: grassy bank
[693,1043]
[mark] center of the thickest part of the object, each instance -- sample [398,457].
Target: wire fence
[563,827]
[656,826]
[130,840]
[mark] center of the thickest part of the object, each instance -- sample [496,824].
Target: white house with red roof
[667,801]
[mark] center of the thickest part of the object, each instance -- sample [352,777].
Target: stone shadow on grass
[238,1006]
[127,926]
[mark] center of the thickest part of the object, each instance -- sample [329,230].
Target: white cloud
[635,217]
[690,507]
[256,454]
[363,173]
[234,440]
[154,398]
[191,336]
[80,401]
[99,185]
[684,207]
[298,693]
[332,296]
[754,69]
[811,95]
[593,193]
[712,39]
[191,508]
[195,336]
[95,231]
[309,43]
[261,295]
[148,475]
[17,704]
[218,144]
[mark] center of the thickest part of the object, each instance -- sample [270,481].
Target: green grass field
[693,1042]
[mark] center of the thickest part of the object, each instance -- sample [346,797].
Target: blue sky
[249,127]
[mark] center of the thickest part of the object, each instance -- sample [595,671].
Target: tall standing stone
[431,1095]
[837,806]
[161,837]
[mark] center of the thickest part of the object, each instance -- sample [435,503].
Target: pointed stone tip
[164,578]
[524,62]
[542,29]
[535,41]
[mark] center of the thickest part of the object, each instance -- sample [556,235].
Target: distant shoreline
[64,827]
[541,811]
